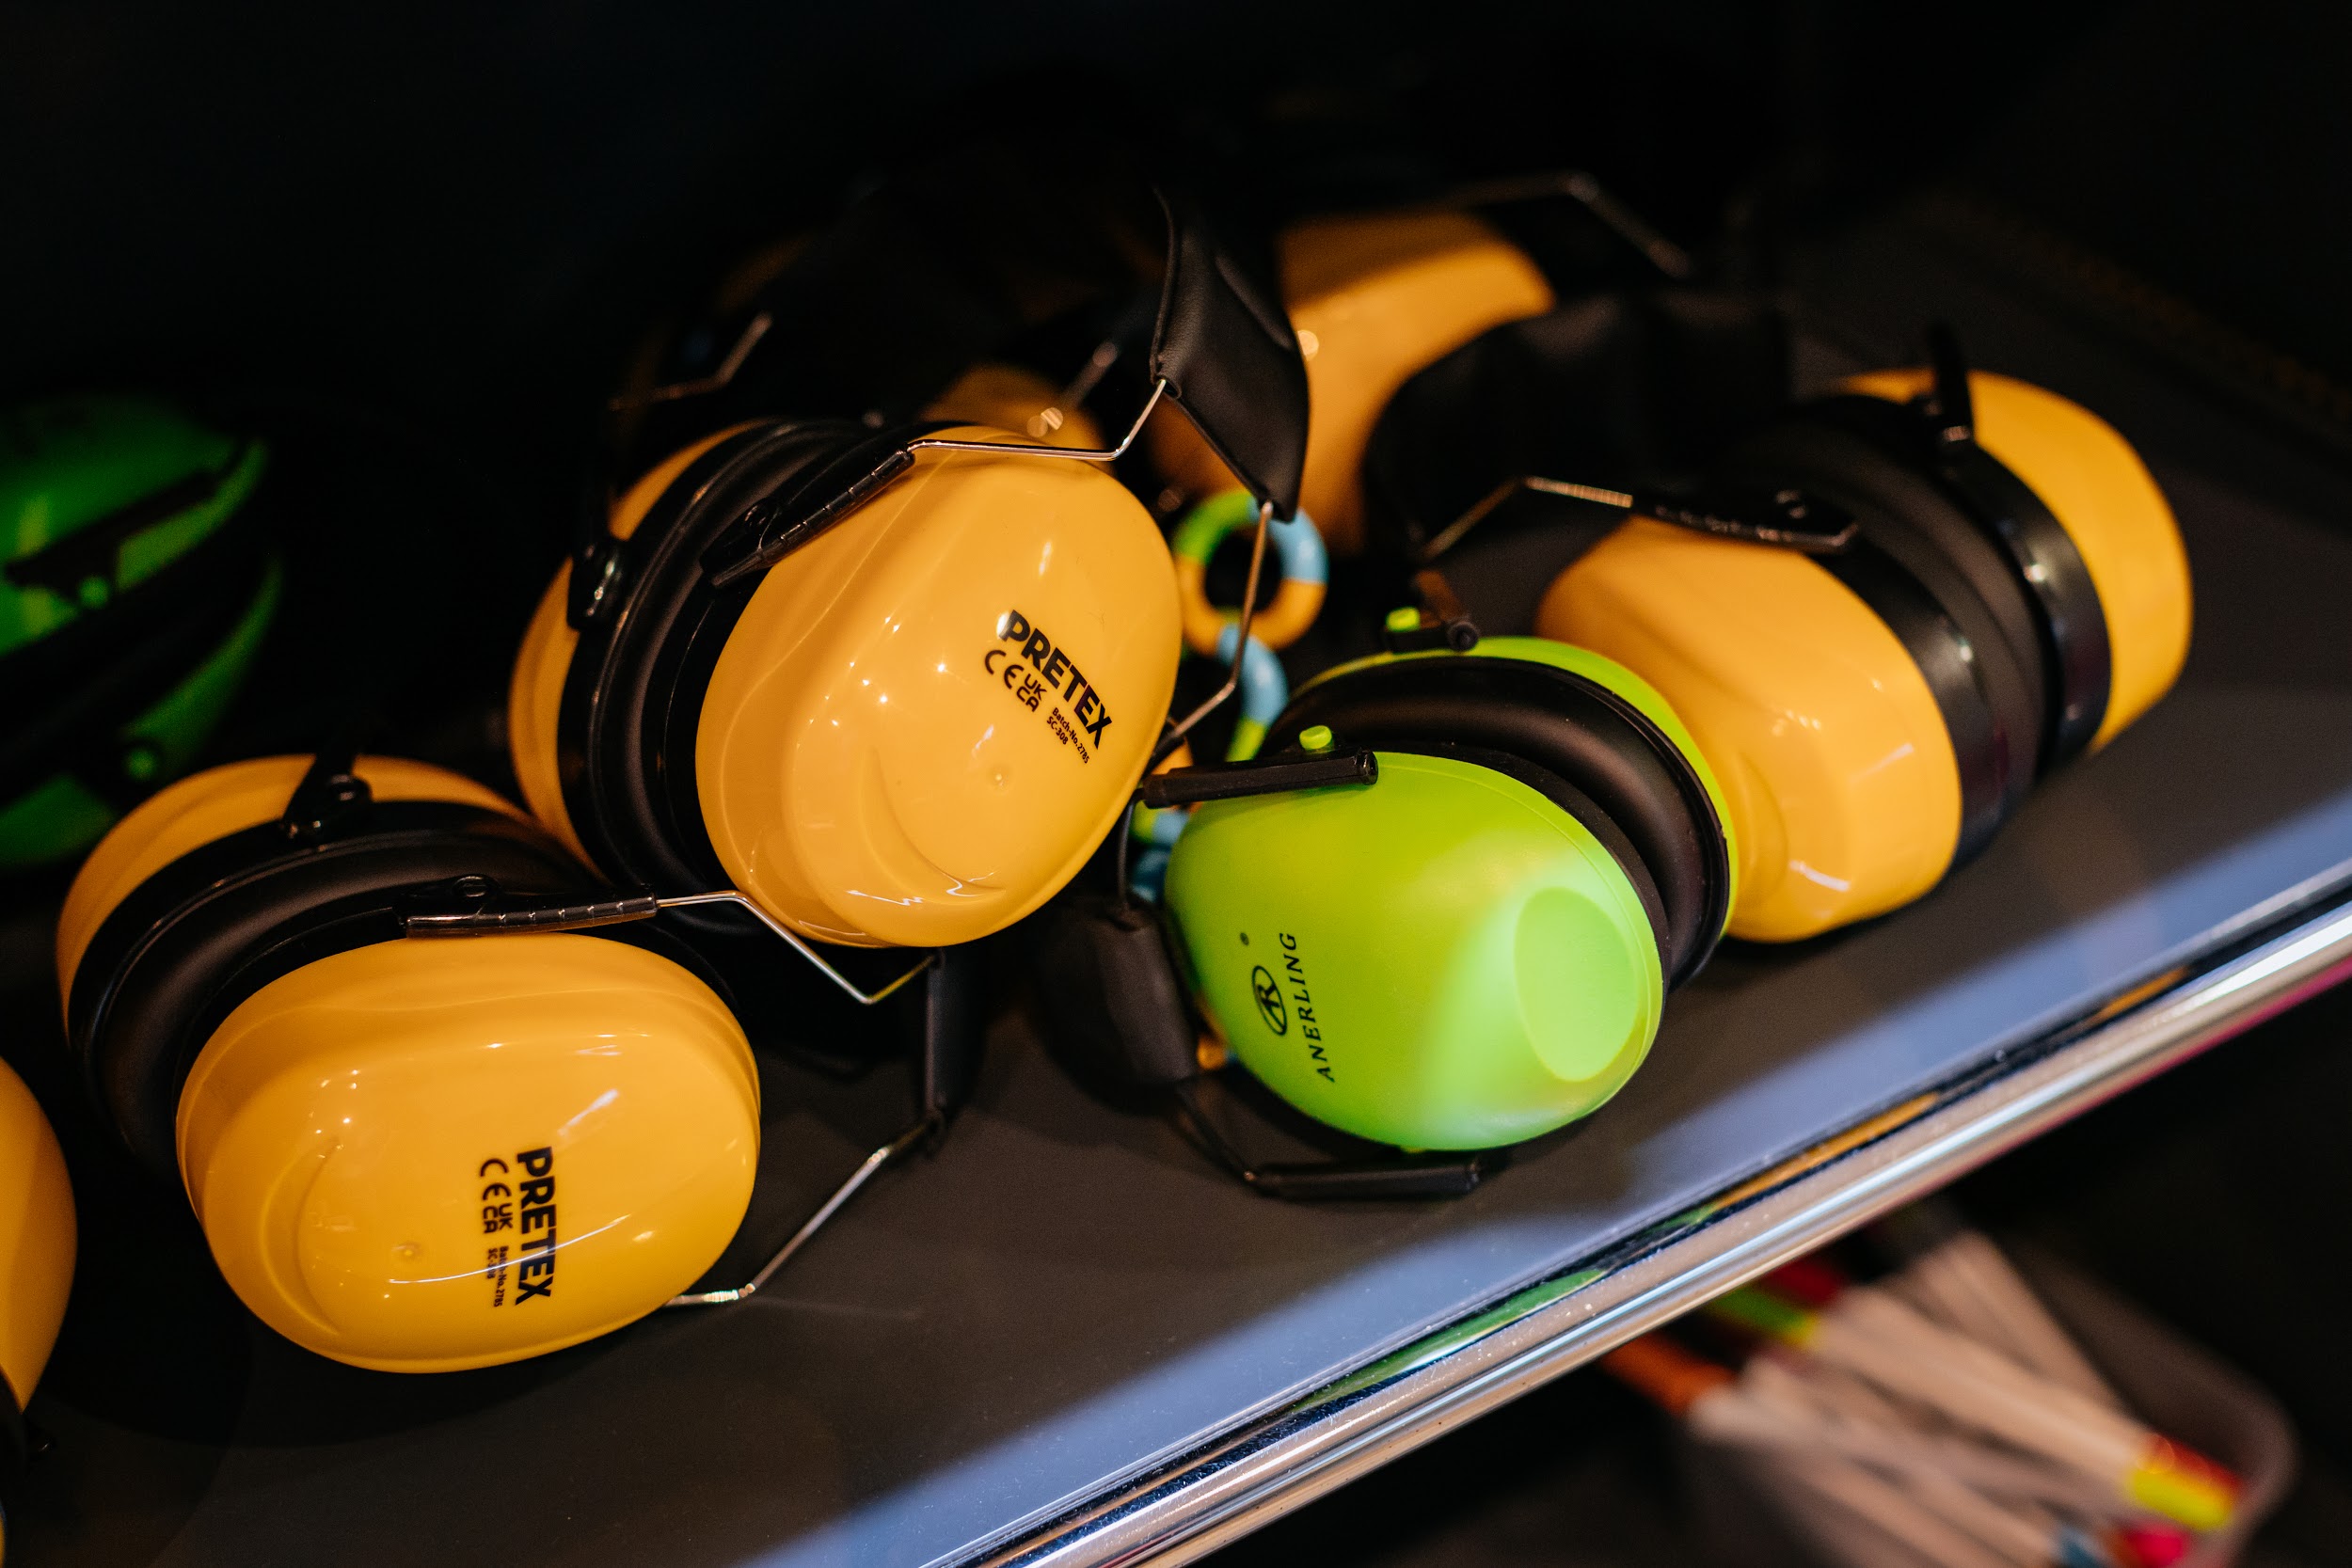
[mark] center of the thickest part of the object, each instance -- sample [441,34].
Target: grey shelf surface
[1065,1311]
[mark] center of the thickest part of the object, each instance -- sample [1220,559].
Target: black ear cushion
[1620,388]
[625,733]
[1905,512]
[203,933]
[1582,734]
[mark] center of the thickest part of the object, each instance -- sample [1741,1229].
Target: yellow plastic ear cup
[927,717]
[2103,495]
[535,694]
[36,1238]
[427,1155]
[1373,299]
[1005,397]
[211,805]
[1842,784]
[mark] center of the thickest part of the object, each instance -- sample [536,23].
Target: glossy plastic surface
[426,1155]
[1443,959]
[1844,793]
[37,1238]
[1614,676]
[927,717]
[1372,300]
[211,805]
[2103,495]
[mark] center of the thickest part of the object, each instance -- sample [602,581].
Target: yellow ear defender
[36,1263]
[1373,299]
[405,1153]
[2018,594]
[891,687]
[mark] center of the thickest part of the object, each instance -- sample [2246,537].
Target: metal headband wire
[1176,732]
[815,1222]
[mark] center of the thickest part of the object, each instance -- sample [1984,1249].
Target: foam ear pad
[1904,512]
[633,691]
[1563,725]
[213,926]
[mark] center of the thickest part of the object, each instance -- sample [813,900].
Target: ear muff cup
[1447,958]
[207,930]
[625,733]
[340,1101]
[36,1246]
[1905,513]
[1563,725]
[909,731]
[2078,470]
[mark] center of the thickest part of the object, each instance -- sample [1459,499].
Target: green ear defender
[135,591]
[1473,949]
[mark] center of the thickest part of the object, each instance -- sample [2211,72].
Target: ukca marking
[1055,672]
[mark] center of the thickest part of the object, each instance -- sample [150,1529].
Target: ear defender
[136,589]
[893,688]
[407,1153]
[1372,300]
[37,1241]
[909,731]
[2017,594]
[1472,949]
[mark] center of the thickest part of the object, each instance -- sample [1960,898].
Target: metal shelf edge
[1217,1493]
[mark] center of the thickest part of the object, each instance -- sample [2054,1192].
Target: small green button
[1404,618]
[1315,738]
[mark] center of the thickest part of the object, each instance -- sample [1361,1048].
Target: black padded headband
[942,267]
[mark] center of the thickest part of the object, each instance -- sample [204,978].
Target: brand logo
[1309,1028]
[529,1215]
[1056,670]
[535,1219]
[1269,995]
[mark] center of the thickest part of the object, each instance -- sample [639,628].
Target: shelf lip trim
[1220,1490]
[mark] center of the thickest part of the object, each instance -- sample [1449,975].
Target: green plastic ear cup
[1600,671]
[1444,960]
[134,594]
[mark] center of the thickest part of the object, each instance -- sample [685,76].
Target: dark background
[416,244]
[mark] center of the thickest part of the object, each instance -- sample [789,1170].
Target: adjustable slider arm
[1186,786]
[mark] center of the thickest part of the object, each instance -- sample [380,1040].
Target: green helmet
[1474,949]
[135,591]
